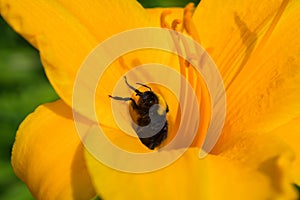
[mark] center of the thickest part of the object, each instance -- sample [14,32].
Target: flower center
[127,64]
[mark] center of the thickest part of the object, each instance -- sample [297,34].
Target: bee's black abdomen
[144,121]
[155,139]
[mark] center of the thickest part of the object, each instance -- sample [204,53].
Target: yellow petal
[65,32]
[266,153]
[256,46]
[48,155]
[231,30]
[188,178]
[265,94]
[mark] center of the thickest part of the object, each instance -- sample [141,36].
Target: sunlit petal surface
[49,157]
[256,46]
[65,32]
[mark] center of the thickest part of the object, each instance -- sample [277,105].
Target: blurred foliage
[166,3]
[23,86]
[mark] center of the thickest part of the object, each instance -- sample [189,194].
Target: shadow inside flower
[268,169]
[249,39]
[79,174]
[75,169]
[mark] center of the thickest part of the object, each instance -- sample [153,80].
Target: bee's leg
[120,98]
[145,86]
[135,106]
[167,109]
[131,87]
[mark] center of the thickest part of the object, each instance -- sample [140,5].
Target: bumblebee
[149,114]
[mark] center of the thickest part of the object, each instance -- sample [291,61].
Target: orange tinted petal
[231,30]
[256,47]
[265,94]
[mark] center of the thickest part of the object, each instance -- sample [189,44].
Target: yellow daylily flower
[256,46]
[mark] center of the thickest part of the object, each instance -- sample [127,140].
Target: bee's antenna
[131,87]
[145,86]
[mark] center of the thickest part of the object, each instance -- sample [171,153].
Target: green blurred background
[24,86]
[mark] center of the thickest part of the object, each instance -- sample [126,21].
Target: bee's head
[147,99]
